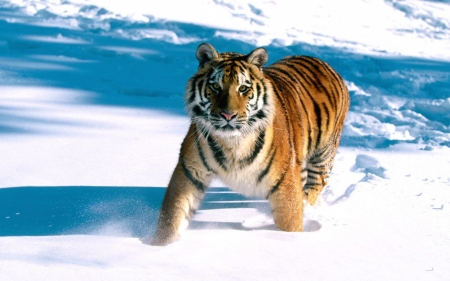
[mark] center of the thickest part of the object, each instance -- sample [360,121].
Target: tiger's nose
[228,115]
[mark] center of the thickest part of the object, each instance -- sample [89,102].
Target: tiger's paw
[311,196]
[290,226]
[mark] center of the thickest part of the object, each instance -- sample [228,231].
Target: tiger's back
[271,132]
[314,100]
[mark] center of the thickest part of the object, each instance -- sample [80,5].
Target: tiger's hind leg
[318,169]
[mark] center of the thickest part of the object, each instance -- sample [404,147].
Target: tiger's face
[229,95]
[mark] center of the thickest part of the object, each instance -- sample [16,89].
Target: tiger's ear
[205,53]
[258,57]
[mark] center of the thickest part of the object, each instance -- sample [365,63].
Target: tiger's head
[229,95]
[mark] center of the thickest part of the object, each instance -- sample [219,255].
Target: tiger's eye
[215,87]
[243,88]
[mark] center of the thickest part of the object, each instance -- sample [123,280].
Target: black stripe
[274,188]
[192,92]
[258,89]
[204,104]
[320,173]
[251,72]
[322,158]
[316,160]
[260,115]
[198,184]
[218,154]
[265,94]
[310,186]
[197,110]
[241,68]
[234,73]
[267,169]
[258,94]
[221,65]
[193,85]
[223,79]
[259,144]
[200,91]
[318,113]
[326,112]
[201,153]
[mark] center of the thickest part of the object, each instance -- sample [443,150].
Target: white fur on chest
[244,181]
[239,177]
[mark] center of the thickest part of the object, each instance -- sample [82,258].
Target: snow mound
[369,165]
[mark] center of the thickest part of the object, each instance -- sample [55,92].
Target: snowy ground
[91,119]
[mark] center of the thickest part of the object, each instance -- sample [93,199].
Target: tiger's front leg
[183,196]
[286,200]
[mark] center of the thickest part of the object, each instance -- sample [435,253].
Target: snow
[91,120]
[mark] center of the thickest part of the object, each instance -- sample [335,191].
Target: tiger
[271,132]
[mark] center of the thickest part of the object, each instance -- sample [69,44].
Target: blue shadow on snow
[116,211]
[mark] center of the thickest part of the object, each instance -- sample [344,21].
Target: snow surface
[91,119]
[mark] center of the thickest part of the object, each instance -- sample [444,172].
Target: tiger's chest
[243,179]
[239,162]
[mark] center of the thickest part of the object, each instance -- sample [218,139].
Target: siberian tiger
[270,132]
